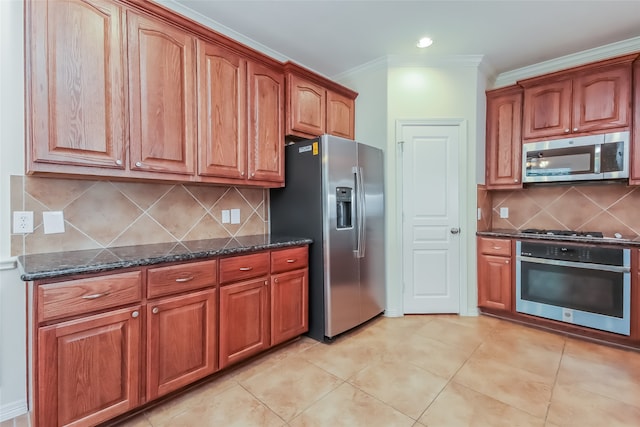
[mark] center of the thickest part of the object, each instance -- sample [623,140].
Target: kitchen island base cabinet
[181,341]
[88,369]
[495,274]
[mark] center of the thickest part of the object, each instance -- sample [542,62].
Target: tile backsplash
[609,208]
[102,214]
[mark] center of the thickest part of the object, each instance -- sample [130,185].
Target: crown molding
[568,61]
[380,63]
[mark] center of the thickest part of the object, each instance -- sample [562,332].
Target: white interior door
[431,218]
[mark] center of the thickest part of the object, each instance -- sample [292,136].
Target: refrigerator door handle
[361,212]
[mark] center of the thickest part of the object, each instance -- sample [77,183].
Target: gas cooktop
[568,233]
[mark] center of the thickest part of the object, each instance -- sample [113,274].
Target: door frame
[463,190]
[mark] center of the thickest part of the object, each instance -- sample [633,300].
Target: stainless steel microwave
[584,158]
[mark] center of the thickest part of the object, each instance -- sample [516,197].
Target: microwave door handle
[597,149]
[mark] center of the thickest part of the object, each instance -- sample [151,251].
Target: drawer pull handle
[94,296]
[246,268]
[497,247]
[184,279]
[290,261]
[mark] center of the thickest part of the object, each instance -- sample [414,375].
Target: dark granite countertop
[516,234]
[58,264]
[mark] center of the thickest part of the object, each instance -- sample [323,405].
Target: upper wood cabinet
[588,99]
[266,123]
[504,138]
[132,90]
[162,78]
[222,121]
[75,85]
[316,105]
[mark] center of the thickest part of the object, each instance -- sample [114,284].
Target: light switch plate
[226,218]
[479,214]
[504,212]
[53,222]
[235,216]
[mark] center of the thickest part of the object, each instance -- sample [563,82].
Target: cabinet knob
[155,310]
[566,130]
[266,282]
[242,173]
[119,162]
[253,174]
[276,280]
[575,129]
[138,164]
[515,180]
[506,262]
[135,314]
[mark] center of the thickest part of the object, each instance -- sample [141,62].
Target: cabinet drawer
[65,299]
[289,259]
[494,246]
[179,278]
[242,267]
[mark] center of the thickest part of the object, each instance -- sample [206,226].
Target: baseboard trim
[13,409]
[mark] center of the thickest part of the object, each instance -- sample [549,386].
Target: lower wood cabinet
[88,369]
[181,341]
[92,333]
[495,274]
[244,320]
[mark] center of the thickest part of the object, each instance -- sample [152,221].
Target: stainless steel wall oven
[584,285]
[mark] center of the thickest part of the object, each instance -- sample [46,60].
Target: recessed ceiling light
[424,42]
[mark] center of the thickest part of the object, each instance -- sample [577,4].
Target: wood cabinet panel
[307,106]
[222,86]
[504,139]
[634,173]
[547,110]
[341,113]
[181,341]
[242,267]
[266,123]
[181,278]
[88,369]
[289,305]
[75,89]
[495,274]
[74,297]
[162,78]
[244,320]
[289,259]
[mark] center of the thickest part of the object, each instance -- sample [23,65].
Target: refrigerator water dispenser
[343,207]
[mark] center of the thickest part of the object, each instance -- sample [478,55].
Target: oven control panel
[564,252]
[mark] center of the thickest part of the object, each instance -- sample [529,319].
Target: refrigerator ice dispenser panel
[343,208]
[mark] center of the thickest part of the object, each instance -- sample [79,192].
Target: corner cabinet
[504,138]
[495,274]
[589,99]
[317,106]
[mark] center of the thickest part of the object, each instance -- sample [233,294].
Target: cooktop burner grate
[568,233]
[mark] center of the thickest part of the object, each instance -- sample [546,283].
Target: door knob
[455,230]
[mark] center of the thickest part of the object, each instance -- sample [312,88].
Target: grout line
[555,380]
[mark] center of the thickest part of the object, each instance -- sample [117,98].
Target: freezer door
[372,263]
[342,293]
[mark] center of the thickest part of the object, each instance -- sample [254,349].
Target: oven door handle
[584,265]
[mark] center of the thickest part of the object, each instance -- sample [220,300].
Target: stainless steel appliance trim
[584,265]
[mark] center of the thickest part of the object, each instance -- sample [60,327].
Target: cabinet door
[289,305]
[266,123]
[244,320]
[494,282]
[634,178]
[307,107]
[162,98]
[181,341]
[547,110]
[222,86]
[602,99]
[340,115]
[88,369]
[504,140]
[76,102]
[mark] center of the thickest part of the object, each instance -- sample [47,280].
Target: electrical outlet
[22,222]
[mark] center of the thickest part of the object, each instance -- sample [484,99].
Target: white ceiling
[333,36]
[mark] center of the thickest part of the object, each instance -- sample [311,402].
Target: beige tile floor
[433,370]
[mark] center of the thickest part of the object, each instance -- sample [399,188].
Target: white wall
[389,91]
[12,290]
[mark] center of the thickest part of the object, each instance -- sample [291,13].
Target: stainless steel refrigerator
[334,194]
